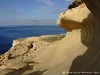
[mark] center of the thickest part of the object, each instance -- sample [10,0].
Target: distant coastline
[21,25]
[10,33]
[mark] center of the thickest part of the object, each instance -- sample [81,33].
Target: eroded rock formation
[90,60]
[78,51]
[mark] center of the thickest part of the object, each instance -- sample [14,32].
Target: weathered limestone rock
[78,51]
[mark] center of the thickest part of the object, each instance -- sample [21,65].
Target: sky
[31,12]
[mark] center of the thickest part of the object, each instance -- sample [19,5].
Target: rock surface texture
[77,51]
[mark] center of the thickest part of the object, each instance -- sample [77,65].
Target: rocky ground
[23,52]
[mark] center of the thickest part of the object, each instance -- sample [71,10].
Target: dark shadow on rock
[75,4]
[37,72]
[90,60]
[86,63]
[20,71]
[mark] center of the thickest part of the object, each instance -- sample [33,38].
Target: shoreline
[10,33]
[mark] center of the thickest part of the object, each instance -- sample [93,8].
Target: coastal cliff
[77,51]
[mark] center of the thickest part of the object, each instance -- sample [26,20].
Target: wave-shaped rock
[78,51]
[90,62]
[87,21]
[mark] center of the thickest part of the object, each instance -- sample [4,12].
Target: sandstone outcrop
[78,51]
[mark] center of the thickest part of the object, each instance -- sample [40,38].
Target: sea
[10,33]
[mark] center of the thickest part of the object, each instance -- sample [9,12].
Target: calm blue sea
[8,34]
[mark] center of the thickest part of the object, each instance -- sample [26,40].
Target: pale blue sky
[31,12]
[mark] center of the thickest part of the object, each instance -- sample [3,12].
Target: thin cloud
[55,11]
[47,2]
[36,21]
[13,12]
[69,0]
[49,7]
[48,10]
